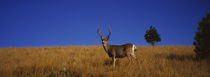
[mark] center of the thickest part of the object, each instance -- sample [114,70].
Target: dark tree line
[202,38]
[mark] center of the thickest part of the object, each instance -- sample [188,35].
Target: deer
[117,51]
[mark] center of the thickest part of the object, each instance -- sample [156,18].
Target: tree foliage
[152,36]
[202,39]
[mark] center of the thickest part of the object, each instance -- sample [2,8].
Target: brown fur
[120,51]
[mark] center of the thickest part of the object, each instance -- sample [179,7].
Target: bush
[152,36]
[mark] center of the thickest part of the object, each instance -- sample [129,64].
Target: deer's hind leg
[134,57]
[129,59]
[128,54]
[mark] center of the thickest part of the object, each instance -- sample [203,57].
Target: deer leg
[114,60]
[134,56]
[129,59]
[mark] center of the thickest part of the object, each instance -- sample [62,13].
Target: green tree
[152,36]
[202,39]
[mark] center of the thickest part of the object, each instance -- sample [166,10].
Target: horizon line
[88,46]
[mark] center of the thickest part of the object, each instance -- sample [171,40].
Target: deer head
[104,40]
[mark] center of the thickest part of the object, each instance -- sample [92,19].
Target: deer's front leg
[114,60]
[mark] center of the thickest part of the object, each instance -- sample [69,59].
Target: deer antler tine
[107,37]
[99,30]
[109,29]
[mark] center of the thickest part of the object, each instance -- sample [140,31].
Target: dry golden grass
[92,61]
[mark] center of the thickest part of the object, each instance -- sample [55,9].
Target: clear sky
[33,23]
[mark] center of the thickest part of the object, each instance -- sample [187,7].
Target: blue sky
[34,23]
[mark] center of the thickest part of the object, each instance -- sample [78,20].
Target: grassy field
[92,61]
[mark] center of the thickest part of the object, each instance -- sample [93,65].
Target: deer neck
[106,46]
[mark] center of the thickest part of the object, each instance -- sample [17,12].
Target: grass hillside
[92,61]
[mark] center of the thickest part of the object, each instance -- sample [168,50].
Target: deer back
[120,51]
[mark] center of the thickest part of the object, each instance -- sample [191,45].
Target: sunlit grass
[92,61]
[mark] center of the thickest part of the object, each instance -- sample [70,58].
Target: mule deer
[117,51]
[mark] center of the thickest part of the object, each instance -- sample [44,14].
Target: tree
[152,36]
[202,39]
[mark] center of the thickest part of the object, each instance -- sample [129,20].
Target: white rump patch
[133,48]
